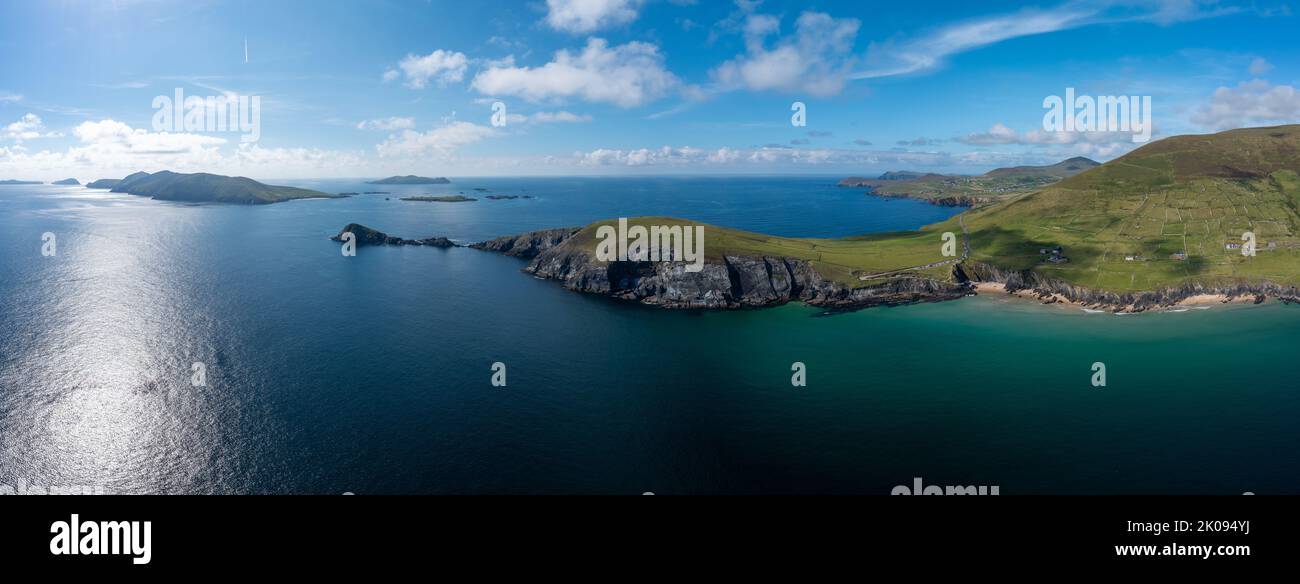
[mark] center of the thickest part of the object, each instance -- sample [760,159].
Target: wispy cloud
[122,85]
[930,51]
[393,123]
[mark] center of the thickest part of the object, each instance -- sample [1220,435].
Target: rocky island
[66,182]
[410,179]
[208,188]
[440,199]
[368,236]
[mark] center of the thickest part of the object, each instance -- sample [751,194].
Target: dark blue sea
[371,374]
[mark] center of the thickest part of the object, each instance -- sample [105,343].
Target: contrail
[245,49]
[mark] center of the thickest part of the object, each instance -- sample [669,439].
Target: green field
[1119,224]
[843,260]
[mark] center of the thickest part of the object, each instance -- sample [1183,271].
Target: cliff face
[527,245]
[733,282]
[1133,302]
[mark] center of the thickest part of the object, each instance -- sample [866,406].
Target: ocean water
[371,374]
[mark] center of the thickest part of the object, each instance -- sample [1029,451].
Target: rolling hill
[209,188]
[1169,213]
[1159,225]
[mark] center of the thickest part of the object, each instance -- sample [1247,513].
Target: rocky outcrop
[730,282]
[1016,280]
[527,245]
[368,236]
[959,201]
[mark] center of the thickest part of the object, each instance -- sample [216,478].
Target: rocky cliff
[527,245]
[1016,280]
[728,282]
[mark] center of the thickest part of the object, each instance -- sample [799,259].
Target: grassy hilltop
[1121,223]
[1183,195]
[843,260]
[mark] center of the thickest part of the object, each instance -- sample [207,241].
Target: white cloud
[547,118]
[929,52]
[1249,104]
[626,75]
[113,137]
[1054,146]
[440,66]
[28,127]
[583,16]
[10,97]
[557,117]
[765,157]
[441,142]
[112,149]
[998,134]
[1259,66]
[815,60]
[393,123]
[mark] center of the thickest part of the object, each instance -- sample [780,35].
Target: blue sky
[621,86]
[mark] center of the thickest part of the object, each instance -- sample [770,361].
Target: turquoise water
[371,374]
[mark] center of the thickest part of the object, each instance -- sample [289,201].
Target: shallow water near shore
[371,374]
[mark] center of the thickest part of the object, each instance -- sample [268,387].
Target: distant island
[66,181]
[969,191]
[507,197]
[440,199]
[103,183]
[367,236]
[20,182]
[209,188]
[410,179]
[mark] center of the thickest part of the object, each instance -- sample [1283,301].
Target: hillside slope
[1124,225]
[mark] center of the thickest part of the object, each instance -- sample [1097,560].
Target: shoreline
[754,282]
[1048,299]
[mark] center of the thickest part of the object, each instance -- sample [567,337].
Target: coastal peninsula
[1161,226]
